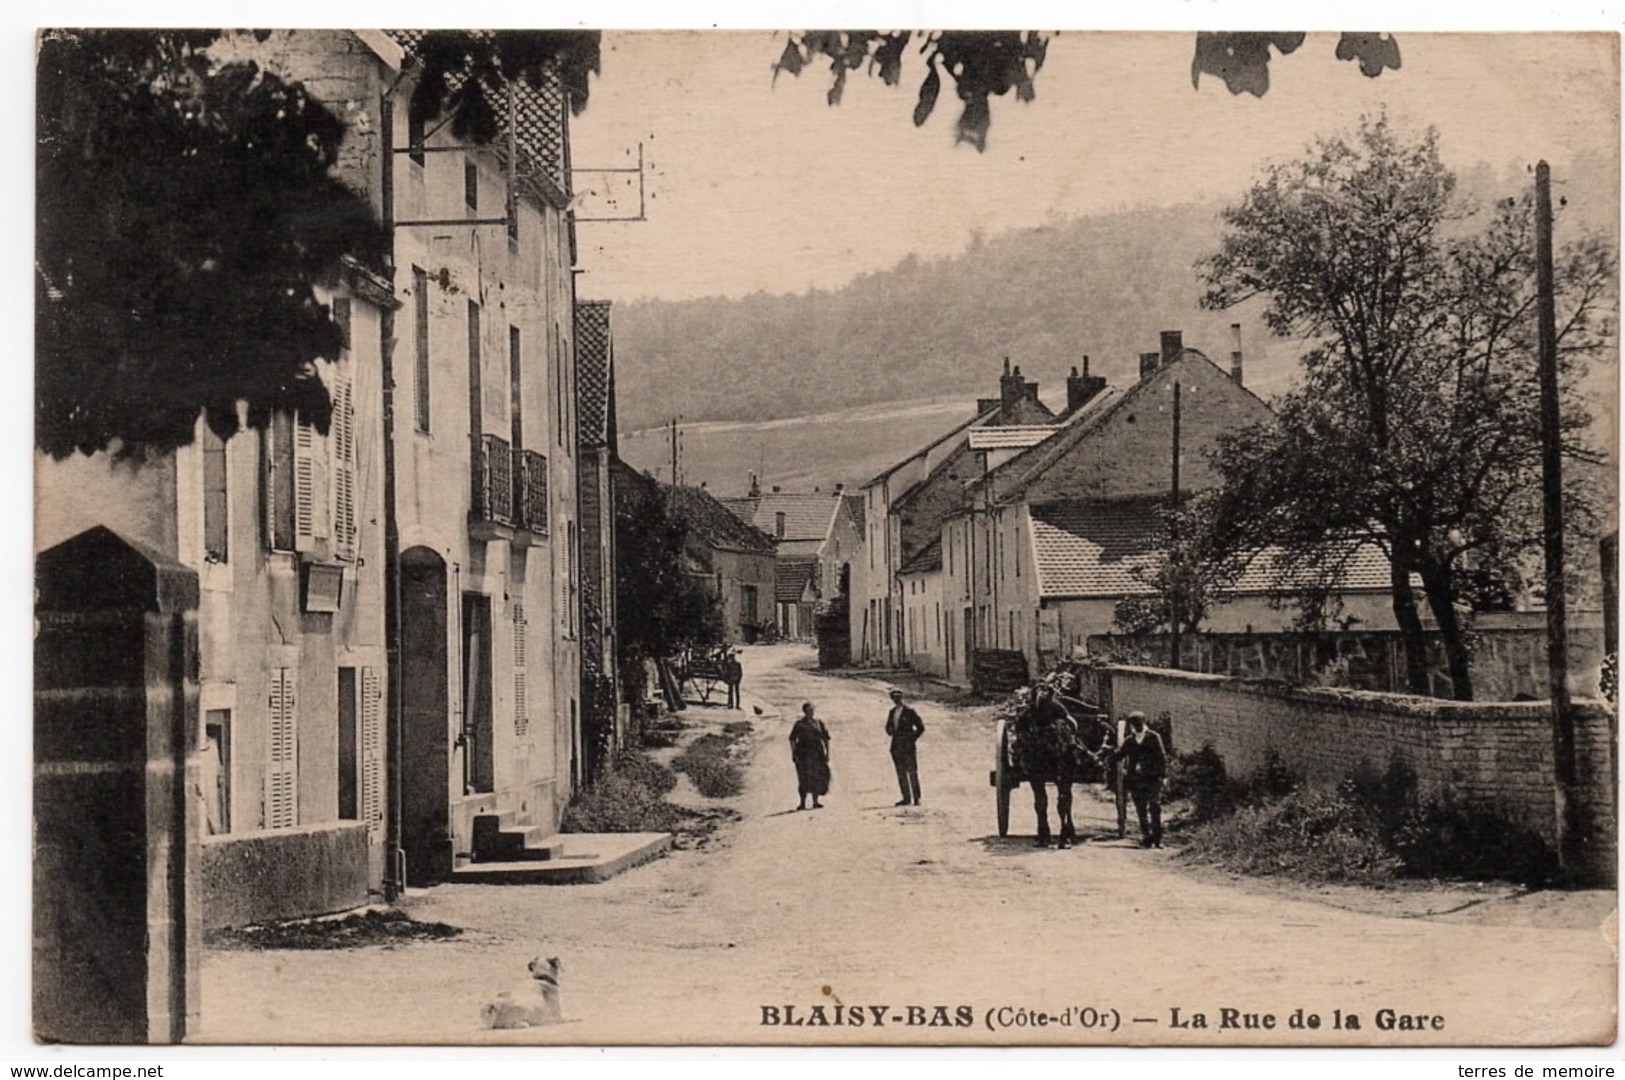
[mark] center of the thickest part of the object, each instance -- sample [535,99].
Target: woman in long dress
[809,749]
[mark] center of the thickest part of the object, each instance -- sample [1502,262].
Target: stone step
[498,839]
[583,858]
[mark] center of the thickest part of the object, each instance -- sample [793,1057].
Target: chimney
[1235,353]
[1081,389]
[1012,387]
[983,404]
[839,488]
[775,489]
[755,488]
[1148,365]
[1172,342]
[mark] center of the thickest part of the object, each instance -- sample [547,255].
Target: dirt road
[937,928]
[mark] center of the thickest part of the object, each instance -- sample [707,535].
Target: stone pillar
[117,898]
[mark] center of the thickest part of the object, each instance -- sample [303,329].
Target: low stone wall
[1508,661]
[284,873]
[1496,756]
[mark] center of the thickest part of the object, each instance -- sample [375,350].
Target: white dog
[532,1004]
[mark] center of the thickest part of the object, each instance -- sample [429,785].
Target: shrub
[627,798]
[1201,779]
[1448,840]
[709,765]
[1311,833]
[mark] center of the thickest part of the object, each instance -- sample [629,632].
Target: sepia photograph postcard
[927,537]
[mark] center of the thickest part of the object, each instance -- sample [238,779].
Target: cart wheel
[1001,780]
[1121,793]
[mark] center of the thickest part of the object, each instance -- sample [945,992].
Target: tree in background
[186,211]
[1416,423]
[992,63]
[1187,576]
[661,608]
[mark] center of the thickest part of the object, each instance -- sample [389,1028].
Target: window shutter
[304,484]
[343,468]
[372,749]
[521,708]
[282,795]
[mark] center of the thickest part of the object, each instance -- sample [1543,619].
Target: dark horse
[1051,748]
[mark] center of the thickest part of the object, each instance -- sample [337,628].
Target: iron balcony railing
[530,491]
[493,482]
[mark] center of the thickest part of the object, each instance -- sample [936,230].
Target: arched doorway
[425,742]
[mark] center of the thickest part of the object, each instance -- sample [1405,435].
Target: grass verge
[710,761]
[355,931]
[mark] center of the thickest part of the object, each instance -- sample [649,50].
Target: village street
[864,904]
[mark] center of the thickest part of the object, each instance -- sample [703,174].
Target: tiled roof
[538,115]
[593,377]
[1010,438]
[976,421]
[806,516]
[1099,549]
[791,578]
[714,523]
[926,560]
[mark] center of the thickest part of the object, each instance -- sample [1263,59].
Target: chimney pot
[1235,354]
[1172,342]
[775,489]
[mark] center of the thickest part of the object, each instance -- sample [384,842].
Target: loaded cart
[1096,734]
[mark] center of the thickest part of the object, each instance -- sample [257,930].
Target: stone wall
[284,874]
[1493,756]
[1508,664]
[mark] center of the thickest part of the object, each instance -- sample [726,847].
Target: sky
[756,185]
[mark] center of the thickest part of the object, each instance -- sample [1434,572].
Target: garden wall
[1494,756]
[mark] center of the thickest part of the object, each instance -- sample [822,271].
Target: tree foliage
[1187,577]
[1417,421]
[991,63]
[461,74]
[185,213]
[661,608]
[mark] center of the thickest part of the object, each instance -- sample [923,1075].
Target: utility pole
[674,480]
[1557,657]
[1175,608]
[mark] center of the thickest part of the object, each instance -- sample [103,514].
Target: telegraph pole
[1175,608]
[674,480]
[1557,657]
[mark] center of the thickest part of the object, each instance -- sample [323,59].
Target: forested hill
[1102,285]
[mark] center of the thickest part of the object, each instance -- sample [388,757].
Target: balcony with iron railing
[491,506]
[530,492]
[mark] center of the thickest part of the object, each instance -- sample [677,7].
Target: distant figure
[809,749]
[733,674]
[904,726]
[1046,750]
[1145,763]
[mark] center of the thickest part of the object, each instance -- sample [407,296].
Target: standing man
[733,673]
[1145,763]
[905,728]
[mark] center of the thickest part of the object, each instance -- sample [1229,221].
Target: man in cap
[904,726]
[1145,763]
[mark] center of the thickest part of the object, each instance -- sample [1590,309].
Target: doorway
[425,749]
[478,728]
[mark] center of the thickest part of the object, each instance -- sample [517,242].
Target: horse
[1058,741]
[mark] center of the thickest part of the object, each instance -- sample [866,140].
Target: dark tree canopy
[185,211]
[461,73]
[991,63]
[1416,421]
